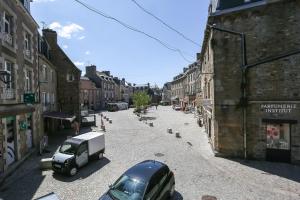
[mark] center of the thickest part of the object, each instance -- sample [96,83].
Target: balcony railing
[7,38]
[7,94]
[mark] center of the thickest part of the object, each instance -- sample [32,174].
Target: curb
[15,166]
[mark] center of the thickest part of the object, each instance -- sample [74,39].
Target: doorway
[278,142]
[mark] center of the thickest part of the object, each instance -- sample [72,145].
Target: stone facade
[68,77]
[104,81]
[271,106]
[166,93]
[19,122]
[90,95]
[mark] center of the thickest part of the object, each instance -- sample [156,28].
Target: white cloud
[81,37]
[67,31]
[87,53]
[79,64]
[42,1]
[65,46]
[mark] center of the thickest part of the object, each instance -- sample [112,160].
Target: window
[28,80]
[10,79]
[70,77]
[27,41]
[7,24]
[45,72]
[278,136]
[44,98]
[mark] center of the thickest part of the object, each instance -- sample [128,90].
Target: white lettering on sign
[278,108]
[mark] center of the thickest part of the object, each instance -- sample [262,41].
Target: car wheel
[172,191]
[100,156]
[73,171]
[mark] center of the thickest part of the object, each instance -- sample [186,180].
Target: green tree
[140,100]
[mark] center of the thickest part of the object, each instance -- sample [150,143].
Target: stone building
[68,78]
[19,110]
[47,86]
[190,85]
[90,95]
[166,94]
[104,81]
[126,91]
[177,90]
[117,87]
[251,99]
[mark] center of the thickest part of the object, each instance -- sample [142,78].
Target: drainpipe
[243,99]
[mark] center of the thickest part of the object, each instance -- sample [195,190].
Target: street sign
[29,98]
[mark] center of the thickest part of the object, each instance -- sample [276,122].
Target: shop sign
[29,98]
[278,108]
[23,125]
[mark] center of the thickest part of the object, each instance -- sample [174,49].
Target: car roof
[144,170]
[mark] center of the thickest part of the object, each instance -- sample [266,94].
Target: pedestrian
[76,127]
[156,106]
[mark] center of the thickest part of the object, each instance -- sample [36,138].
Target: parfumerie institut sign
[278,108]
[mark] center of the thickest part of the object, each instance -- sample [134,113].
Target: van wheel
[100,156]
[73,171]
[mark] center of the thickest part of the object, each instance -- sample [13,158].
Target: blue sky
[88,38]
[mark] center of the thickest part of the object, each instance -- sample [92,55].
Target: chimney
[107,73]
[198,56]
[90,71]
[51,36]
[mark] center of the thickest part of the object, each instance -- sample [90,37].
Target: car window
[82,148]
[156,181]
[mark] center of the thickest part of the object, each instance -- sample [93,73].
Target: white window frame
[28,80]
[8,22]
[10,72]
[70,77]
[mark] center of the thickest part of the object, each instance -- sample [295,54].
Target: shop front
[16,135]
[278,137]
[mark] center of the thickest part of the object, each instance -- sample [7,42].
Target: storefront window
[278,136]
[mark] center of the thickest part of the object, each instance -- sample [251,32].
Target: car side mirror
[110,186]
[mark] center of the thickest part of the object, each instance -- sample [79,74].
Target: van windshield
[68,148]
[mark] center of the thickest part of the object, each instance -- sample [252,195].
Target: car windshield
[127,188]
[68,148]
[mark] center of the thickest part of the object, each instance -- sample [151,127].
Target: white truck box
[96,141]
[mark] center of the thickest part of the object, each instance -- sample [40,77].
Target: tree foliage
[141,99]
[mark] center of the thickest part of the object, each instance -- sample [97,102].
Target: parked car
[77,151]
[148,180]
[177,107]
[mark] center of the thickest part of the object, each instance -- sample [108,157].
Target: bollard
[169,130]
[104,117]
[107,119]
[103,127]
[178,135]
[151,124]
[110,121]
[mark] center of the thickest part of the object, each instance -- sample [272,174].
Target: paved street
[197,171]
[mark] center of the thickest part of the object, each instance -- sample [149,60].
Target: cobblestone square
[197,171]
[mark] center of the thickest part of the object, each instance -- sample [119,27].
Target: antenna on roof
[43,24]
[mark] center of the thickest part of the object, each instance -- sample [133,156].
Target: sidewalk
[31,161]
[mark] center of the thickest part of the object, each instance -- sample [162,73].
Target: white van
[75,152]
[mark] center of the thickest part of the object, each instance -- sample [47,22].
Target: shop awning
[11,110]
[59,115]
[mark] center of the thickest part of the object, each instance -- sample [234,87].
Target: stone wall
[271,30]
